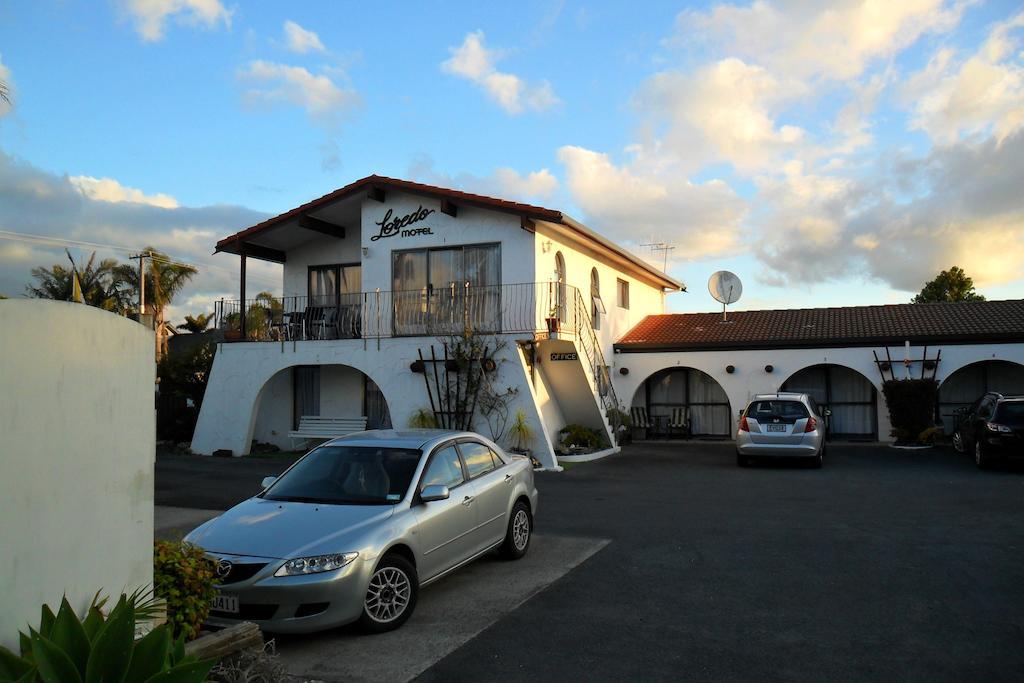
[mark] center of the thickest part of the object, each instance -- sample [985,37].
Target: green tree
[196,324]
[949,285]
[99,284]
[5,93]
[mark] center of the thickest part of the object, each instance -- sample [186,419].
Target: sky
[829,154]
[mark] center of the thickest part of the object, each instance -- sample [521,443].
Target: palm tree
[164,280]
[197,324]
[99,285]
[5,92]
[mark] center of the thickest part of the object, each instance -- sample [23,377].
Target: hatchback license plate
[776,428]
[225,603]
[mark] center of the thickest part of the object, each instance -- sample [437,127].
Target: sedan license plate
[225,603]
[776,428]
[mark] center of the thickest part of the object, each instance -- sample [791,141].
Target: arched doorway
[849,395]
[322,390]
[969,383]
[703,400]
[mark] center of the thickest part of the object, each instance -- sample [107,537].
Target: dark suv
[992,428]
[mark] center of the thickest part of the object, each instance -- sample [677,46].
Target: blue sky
[829,154]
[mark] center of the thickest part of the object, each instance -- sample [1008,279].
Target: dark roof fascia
[872,342]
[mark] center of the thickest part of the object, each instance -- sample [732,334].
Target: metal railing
[455,309]
[588,342]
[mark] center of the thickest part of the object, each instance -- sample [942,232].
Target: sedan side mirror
[434,492]
[267,481]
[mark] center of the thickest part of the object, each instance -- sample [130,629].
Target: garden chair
[679,421]
[640,419]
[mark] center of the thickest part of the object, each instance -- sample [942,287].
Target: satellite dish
[726,288]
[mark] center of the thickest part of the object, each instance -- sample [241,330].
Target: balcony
[432,312]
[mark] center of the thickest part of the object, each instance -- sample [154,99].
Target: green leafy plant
[67,649]
[422,419]
[585,437]
[911,405]
[183,577]
[520,433]
[624,418]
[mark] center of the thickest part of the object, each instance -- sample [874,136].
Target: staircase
[588,343]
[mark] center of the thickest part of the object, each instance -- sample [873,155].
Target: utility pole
[142,282]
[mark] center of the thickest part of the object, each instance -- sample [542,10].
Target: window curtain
[322,286]
[483,272]
[409,291]
[708,419]
[307,391]
[847,393]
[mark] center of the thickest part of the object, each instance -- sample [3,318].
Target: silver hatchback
[354,528]
[781,425]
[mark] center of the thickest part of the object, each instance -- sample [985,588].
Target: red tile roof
[951,323]
[525,210]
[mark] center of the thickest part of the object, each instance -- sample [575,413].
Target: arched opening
[684,402]
[596,302]
[971,382]
[316,390]
[560,290]
[848,395]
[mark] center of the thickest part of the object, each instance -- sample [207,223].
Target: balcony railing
[511,308]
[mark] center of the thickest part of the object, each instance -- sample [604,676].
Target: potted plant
[521,434]
[911,404]
[422,418]
[553,322]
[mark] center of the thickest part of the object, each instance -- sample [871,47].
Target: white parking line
[449,614]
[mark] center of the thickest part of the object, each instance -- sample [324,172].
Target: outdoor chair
[679,421]
[640,419]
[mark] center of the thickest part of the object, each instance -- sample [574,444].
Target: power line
[47,240]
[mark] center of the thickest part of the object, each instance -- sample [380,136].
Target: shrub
[578,435]
[911,405]
[68,649]
[422,419]
[183,576]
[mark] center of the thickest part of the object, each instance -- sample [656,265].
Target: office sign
[564,356]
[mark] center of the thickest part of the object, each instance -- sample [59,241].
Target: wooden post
[242,290]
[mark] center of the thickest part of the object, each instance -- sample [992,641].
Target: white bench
[325,428]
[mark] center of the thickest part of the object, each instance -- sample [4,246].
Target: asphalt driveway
[884,565]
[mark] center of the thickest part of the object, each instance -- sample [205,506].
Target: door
[445,528]
[491,484]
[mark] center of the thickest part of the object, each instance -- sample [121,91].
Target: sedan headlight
[315,564]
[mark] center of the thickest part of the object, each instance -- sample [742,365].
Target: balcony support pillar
[241,280]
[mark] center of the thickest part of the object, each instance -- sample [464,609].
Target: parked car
[991,429]
[357,526]
[781,425]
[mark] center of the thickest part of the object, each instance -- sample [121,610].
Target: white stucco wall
[320,251]
[750,377]
[77,446]
[241,371]
[274,411]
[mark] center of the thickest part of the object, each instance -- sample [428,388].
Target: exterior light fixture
[730,369]
[366,251]
[768,368]
[623,371]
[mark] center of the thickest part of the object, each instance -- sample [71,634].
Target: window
[477,457]
[560,291]
[622,293]
[498,462]
[445,469]
[431,294]
[596,303]
[332,284]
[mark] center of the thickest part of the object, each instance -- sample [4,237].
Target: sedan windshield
[354,475]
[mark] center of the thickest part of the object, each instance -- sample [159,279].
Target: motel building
[401,299]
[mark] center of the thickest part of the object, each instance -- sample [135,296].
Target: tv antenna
[662,247]
[726,288]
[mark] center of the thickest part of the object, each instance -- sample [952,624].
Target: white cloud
[476,63]
[984,93]
[36,202]
[722,111]
[323,99]
[301,40]
[504,182]
[830,41]
[109,190]
[150,16]
[633,204]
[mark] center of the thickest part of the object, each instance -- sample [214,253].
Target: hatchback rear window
[785,410]
[1010,414]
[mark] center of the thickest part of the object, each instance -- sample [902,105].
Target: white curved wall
[77,446]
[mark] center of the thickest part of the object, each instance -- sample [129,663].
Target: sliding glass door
[334,300]
[446,290]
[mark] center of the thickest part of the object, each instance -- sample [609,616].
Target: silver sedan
[353,529]
[781,425]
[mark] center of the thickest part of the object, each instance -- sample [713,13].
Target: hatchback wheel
[520,530]
[981,459]
[391,596]
[958,441]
